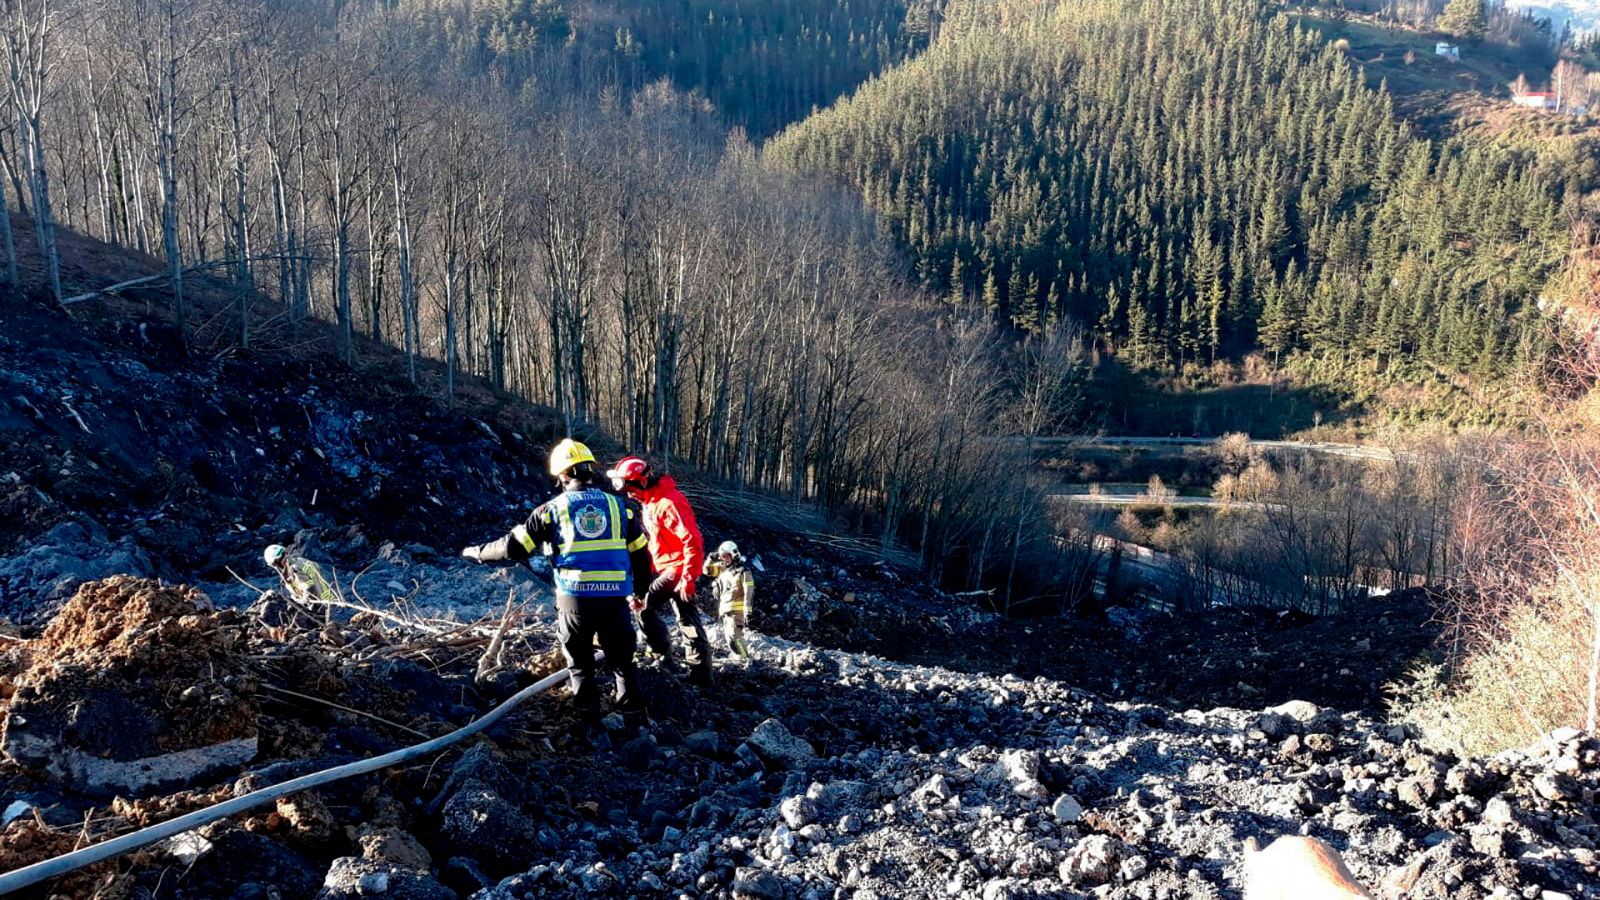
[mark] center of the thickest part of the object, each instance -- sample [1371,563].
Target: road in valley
[1179,444]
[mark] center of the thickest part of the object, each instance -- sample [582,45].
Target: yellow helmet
[567,454]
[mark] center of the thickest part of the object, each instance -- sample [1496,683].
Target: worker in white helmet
[735,588]
[303,581]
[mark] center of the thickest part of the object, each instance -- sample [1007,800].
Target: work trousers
[733,632]
[696,646]
[579,620]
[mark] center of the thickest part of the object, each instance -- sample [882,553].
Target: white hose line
[77,859]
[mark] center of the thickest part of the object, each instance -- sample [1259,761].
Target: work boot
[634,721]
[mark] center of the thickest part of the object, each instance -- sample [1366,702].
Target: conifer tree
[1466,19]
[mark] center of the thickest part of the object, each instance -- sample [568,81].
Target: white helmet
[729,548]
[275,553]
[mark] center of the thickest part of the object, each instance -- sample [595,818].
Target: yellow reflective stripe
[639,543]
[616,520]
[597,544]
[520,533]
[565,515]
[600,575]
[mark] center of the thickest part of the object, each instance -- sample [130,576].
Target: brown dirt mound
[25,842]
[117,617]
[130,670]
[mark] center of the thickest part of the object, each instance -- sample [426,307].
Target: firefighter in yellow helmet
[600,561]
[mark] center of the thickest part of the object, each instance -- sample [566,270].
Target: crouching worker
[600,557]
[303,581]
[735,588]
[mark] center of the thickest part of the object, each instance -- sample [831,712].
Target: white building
[1535,99]
[1448,51]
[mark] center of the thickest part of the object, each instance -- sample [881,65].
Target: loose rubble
[812,774]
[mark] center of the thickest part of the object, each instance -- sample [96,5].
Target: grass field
[1306,398]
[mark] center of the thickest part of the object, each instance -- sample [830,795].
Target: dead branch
[152,279]
[489,663]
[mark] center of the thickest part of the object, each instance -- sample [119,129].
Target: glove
[687,588]
[636,603]
[662,582]
[471,553]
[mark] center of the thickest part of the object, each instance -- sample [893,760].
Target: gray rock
[934,791]
[797,811]
[773,742]
[1489,841]
[478,823]
[1565,734]
[1002,889]
[350,878]
[1066,809]
[1299,710]
[756,884]
[1555,787]
[1498,812]
[1021,765]
[1091,861]
[835,797]
[703,743]
[1275,725]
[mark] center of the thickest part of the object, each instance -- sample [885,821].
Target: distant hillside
[1195,180]
[1577,15]
[765,64]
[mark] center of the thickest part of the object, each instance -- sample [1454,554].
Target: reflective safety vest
[592,550]
[307,584]
[735,588]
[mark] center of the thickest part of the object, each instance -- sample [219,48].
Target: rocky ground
[812,773]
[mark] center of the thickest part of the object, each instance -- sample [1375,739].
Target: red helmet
[630,468]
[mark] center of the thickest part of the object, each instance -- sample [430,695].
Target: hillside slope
[1194,181]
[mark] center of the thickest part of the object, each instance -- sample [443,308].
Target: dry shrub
[1516,687]
[1527,619]
[1236,452]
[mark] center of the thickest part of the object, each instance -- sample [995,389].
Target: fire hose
[52,868]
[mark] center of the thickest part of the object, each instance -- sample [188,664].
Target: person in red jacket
[679,555]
